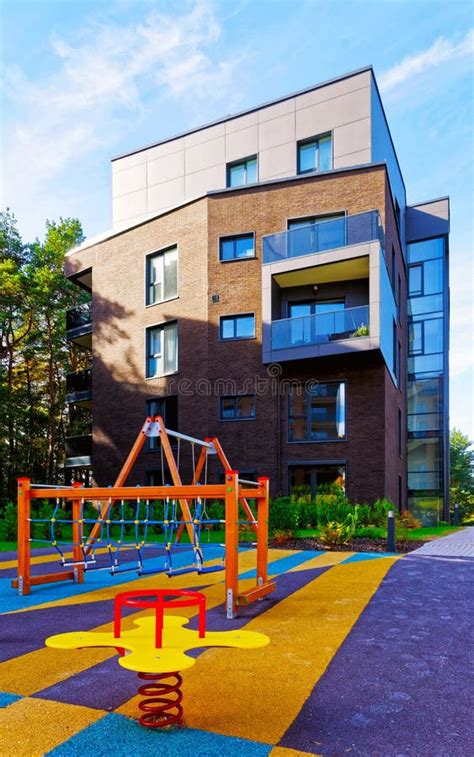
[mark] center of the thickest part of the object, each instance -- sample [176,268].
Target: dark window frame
[331,440]
[148,330]
[314,464]
[244,162]
[234,316]
[236,397]
[234,238]
[309,141]
[158,254]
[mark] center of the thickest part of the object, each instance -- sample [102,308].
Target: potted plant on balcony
[362,330]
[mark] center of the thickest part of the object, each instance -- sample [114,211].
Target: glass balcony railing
[79,317]
[323,236]
[321,328]
[79,386]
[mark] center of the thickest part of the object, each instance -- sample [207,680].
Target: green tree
[462,473]
[35,356]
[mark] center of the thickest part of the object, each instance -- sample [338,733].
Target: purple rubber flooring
[403,681]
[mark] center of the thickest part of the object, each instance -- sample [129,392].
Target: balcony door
[316,234]
[315,320]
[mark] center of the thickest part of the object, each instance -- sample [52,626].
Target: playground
[296,652]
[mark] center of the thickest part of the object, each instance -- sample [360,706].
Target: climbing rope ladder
[143,529]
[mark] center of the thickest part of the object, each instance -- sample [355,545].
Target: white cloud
[105,80]
[441,51]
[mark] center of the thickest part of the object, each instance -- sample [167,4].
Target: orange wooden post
[77,537]
[231,542]
[262,533]
[24,530]
[222,457]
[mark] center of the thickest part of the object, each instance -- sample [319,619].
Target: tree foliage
[462,472]
[34,354]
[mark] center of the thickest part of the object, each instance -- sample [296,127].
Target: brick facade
[207,365]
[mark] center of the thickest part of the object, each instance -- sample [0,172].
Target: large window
[315,154]
[162,350]
[166,408]
[242,172]
[162,276]
[308,478]
[237,248]
[306,330]
[239,407]
[238,326]
[318,414]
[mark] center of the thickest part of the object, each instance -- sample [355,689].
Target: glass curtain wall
[427,372]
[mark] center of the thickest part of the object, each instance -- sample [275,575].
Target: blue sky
[87,80]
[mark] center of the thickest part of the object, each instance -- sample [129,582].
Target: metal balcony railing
[306,330]
[322,236]
[79,386]
[79,317]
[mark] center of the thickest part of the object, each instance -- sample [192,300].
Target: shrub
[333,506]
[301,494]
[362,330]
[371,532]
[283,515]
[307,515]
[334,534]
[10,522]
[340,533]
[365,515]
[380,509]
[282,536]
[408,520]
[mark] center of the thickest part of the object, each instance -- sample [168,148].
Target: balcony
[323,236]
[302,331]
[78,451]
[79,388]
[79,325]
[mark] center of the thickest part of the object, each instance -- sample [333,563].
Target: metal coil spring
[162,707]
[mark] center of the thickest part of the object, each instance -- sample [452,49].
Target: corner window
[161,350]
[315,154]
[318,414]
[238,407]
[237,248]
[242,172]
[237,326]
[162,276]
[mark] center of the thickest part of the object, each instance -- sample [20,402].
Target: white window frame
[160,254]
[148,355]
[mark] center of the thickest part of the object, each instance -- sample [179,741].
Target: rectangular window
[318,414]
[394,349]
[166,408]
[237,407]
[415,280]
[399,298]
[307,479]
[238,326]
[415,338]
[393,268]
[162,350]
[237,248]
[242,172]
[162,276]
[315,154]
[316,234]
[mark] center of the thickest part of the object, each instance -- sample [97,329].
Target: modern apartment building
[266,282]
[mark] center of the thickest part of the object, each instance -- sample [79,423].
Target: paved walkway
[458,544]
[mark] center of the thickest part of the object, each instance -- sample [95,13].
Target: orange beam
[187,491]
[24,549]
[258,592]
[231,542]
[262,532]
[77,535]
[47,578]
